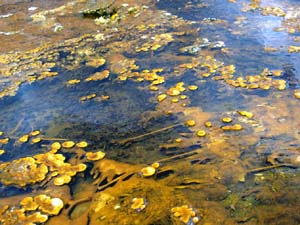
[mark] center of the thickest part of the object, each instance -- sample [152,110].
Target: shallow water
[245,171]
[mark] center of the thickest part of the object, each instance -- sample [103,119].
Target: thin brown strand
[125,141]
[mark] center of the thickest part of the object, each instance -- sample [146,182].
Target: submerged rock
[105,12]
[204,43]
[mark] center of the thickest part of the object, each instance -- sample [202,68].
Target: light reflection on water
[256,33]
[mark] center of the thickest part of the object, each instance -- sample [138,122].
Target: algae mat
[149,112]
